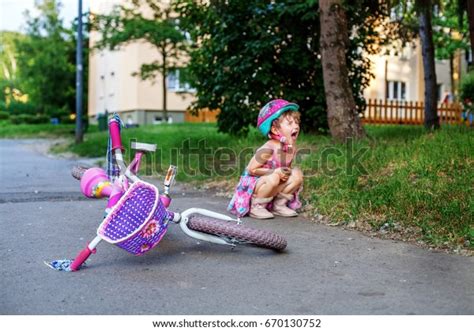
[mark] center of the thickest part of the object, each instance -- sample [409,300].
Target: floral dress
[240,203]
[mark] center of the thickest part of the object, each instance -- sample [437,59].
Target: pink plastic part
[115,196]
[114,129]
[81,258]
[165,200]
[93,177]
[135,166]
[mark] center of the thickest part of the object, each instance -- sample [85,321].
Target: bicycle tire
[78,170]
[237,233]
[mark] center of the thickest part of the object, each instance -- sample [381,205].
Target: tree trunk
[470,19]
[386,79]
[427,49]
[343,119]
[451,77]
[164,76]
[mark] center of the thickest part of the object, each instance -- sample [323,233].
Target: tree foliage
[248,52]
[466,7]
[450,33]
[46,60]
[9,84]
[467,92]
[8,54]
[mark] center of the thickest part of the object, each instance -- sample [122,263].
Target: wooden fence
[408,112]
[203,116]
[377,112]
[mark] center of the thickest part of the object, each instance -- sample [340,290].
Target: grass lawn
[408,185]
[8,130]
[400,182]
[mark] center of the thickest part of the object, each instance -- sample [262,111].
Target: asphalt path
[325,270]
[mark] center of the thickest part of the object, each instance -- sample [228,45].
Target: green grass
[8,130]
[14,131]
[407,179]
[411,184]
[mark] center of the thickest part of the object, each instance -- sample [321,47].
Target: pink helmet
[272,111]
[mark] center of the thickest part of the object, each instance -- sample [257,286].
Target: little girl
[269,186]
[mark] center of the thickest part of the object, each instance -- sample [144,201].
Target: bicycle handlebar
[114,129]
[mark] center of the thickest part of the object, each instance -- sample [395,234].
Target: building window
[177,85]
[441,95]
[396,90]
[469,57]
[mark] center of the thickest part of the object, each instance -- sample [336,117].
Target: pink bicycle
[137,215]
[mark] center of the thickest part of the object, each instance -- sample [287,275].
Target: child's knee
[273,179]
[269,181]
[296,176]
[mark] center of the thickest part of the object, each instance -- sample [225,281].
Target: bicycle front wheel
[78,171]
[237,233]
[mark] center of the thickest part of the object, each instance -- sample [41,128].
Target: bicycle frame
[129,174]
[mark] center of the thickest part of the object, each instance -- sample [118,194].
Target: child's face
[289,128]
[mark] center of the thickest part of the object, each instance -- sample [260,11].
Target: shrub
[16,107]
[3,106]
[467,91]
[66,119]
[39,119]
[29,119]
[4,115]
[19,119]
[62,114]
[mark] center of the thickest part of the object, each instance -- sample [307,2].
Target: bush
[39,119]
[29,119]
[66,119]
[467,91]
[62,114]
[19,119]
[16,107]
[4,115]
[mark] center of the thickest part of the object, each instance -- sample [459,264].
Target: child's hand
[284,173]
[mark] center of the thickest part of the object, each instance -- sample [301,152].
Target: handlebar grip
[81,258]
[114,130]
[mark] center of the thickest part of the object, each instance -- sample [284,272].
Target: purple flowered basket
[138,221]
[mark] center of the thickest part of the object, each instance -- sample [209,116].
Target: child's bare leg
[267,186]
[294,182]
[264,192]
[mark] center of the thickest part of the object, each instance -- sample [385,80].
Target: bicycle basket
[137,222]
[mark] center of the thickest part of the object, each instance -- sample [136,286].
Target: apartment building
[113,88]
[400,76]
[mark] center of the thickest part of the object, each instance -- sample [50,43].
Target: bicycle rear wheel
[237,233]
